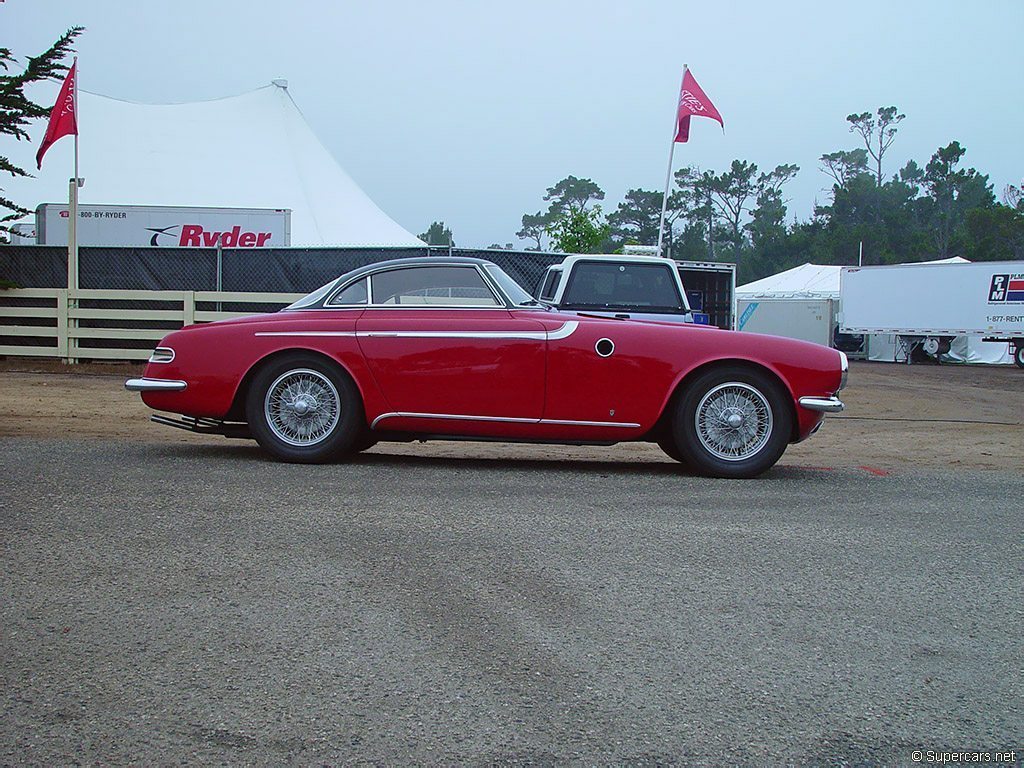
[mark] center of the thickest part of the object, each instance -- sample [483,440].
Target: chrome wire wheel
[733,421]
[302,407]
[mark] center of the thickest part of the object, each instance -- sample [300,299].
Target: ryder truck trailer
[166,226]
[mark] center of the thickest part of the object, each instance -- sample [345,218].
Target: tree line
[740,214]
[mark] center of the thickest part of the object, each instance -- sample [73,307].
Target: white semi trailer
[927,305]
[168,226]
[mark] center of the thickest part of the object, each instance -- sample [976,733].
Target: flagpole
[74,229]
[73,225]
[668,173]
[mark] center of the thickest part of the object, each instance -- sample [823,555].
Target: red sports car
[453,348]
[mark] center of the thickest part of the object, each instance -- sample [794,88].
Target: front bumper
[823,404]
[154,385]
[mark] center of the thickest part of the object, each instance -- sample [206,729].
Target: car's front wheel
[732,422]
[302,408]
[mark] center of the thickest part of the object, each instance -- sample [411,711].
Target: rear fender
[351,363]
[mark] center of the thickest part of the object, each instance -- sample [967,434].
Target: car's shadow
[379,457]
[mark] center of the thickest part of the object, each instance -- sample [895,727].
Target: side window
[550,285]
[353,294]
[433,286]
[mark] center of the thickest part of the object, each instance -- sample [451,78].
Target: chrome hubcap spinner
[733,421]
[302,407]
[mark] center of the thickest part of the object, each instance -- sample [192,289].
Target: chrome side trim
[536,335]
[456,417]
[506,419]
[306,333]
[567,329]
[571,422]
[154,385]
[825,404]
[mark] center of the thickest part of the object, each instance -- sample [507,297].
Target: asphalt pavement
[183,603]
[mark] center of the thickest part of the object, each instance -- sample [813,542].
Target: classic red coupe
[453,348]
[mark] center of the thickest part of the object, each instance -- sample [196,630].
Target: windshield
[509,287]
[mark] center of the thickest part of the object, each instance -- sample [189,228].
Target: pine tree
[17,110]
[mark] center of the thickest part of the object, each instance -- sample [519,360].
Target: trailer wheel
[1018,356]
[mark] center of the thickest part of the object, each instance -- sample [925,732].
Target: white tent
[255,150]
[820,281]
[798,303]
[805,281]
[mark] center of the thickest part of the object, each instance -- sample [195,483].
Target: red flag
[63,117]
[693,102]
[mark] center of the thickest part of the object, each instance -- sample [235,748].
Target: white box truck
[167,226]
[927,305]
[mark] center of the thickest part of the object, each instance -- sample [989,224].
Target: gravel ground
[185,602]
[897,416]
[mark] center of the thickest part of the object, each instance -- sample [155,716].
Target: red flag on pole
[693,102]
[63,117]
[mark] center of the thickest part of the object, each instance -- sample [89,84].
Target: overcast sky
[467,111]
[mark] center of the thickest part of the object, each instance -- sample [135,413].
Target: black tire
[711,443]
[365,444]
[1018,356]
[667,443]
[316,413]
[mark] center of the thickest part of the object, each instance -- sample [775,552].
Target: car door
[607,372]
[440,342]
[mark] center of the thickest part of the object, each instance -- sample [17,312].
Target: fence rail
[108,324]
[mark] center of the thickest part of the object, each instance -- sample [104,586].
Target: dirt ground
[897,416]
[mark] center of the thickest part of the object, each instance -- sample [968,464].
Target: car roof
[416,261]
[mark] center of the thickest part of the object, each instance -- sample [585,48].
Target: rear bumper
[154,385]
[823,404]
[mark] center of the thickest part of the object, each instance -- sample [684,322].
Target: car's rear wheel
[732,422]
[302,408]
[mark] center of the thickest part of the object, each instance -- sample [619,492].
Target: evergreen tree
[437,234]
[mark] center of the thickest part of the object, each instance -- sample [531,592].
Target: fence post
[62,325]
[188,300]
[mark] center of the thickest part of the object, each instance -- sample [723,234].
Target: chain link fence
[271,270]
[284,270]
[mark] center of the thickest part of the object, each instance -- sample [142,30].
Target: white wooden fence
[49,319]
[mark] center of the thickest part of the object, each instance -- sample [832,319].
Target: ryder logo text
[194,236]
